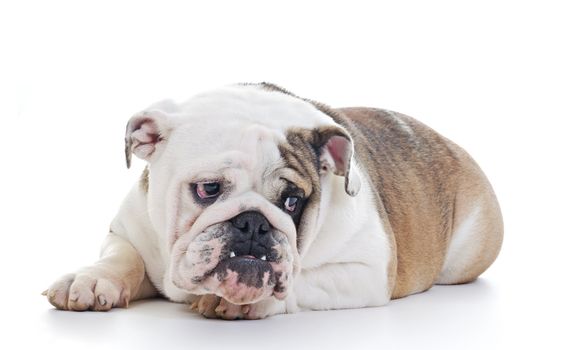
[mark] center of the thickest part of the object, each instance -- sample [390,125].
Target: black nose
[251,223]
[252,234]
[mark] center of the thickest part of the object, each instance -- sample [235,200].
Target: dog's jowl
[257,202]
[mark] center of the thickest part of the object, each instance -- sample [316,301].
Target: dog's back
[440,209]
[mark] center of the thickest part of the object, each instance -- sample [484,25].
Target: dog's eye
[291,203]
[205,190]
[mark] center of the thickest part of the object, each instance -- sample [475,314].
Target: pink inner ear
[146,133]
[338,148]
[144,138]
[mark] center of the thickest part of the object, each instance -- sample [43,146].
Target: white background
[486,74]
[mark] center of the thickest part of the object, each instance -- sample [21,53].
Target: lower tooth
[263,258]
[232,254]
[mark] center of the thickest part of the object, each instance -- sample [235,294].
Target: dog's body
[258,202]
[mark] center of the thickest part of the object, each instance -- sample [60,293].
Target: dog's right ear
[337,155]
[146,134]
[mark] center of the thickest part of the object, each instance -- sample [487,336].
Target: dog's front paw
[212,306]
[87,291]
[206,305]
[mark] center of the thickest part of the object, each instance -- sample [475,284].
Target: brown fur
[427,186]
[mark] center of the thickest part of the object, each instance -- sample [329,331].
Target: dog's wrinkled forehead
[253,104]
[238,127]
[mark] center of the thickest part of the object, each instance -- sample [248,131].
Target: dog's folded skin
[256,202]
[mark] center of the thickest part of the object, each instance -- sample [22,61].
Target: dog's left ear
[336,154]
[146,134]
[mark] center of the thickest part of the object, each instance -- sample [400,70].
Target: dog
[257,202]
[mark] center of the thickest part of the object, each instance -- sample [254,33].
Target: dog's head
[238,180]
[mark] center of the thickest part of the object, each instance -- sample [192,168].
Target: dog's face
[239,178]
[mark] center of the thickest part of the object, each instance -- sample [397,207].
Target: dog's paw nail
[73,297]
[245,309]
[44,293]
[102,300]
[220,309]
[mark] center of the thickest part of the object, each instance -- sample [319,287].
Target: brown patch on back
[415,173]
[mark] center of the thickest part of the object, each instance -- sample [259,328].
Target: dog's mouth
[247,279]
[250,270]
[215,263]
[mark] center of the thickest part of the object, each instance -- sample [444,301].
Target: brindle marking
[301,153]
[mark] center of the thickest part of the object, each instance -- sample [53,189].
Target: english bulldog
[257,202]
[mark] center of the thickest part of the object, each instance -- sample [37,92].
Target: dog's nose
[252,234]
[251,223]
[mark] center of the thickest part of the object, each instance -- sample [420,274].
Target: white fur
[346,265]
[234,132]
[462,249]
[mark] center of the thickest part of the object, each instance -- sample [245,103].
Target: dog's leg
[115,280]
[341,286]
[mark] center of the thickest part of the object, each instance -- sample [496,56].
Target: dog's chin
[243,280]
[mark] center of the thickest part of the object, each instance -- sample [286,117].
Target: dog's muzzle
[243,260]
